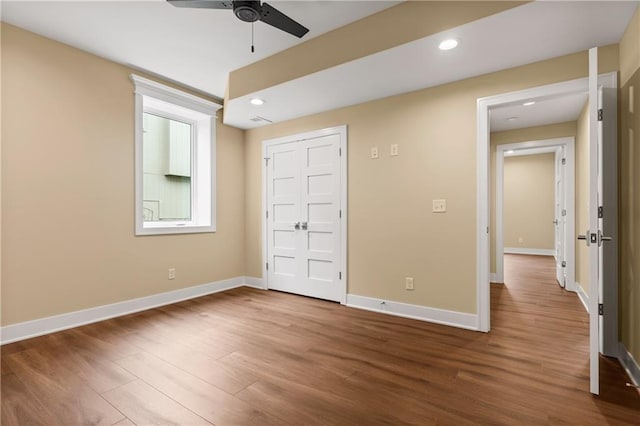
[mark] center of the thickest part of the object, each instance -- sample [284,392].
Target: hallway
[534,319]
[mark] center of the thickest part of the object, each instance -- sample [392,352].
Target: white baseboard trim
[629,364]
[495,279]
[254,282]
[422,313]
[583,296]
[42,326]
[534,251]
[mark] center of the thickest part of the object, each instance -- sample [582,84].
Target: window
[174,160]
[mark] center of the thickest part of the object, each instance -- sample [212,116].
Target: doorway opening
[599,166]
[548,217]
[487,108]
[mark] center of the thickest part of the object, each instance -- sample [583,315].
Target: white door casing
[560,217]
[595,185]
[305,214]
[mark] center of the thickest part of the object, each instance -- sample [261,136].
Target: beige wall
[629,204]
[392,232]
[529,201]
[67,189]
[1,133]
[582,197]
[630,49]
[551,131]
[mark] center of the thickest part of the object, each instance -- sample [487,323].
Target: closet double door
[303,185]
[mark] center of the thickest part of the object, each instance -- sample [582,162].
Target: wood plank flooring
[250,357]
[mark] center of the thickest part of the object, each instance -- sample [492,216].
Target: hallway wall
[629,176]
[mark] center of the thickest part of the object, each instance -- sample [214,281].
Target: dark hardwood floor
[250,357]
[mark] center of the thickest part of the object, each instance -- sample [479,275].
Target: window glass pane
[167,169]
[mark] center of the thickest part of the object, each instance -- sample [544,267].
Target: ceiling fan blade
[272,16]
[202,4]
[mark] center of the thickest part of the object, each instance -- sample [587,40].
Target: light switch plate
[394,149]
[374,152]
[439,206]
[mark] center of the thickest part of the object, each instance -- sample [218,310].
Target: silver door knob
[586,237]
[304,226]
[602,238]
[555,222]
[296,226]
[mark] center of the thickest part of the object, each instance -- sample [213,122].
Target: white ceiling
[544,111]
[196,47]
[522,35]
[199,47]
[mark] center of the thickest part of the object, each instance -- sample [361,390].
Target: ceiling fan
[250,11]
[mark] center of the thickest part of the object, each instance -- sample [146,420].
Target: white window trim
[203,212]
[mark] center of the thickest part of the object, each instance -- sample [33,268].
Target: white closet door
[303,224]
[283,198]
[320,200]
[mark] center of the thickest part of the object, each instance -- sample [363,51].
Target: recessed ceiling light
[529,103]
[448,44]
[512,118]
[257,101]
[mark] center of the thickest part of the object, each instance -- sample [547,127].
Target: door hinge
[600,212]
[487,229]
[267,214]
[340,152]
[600,309]
[339,275]
[340,213]
[564,161]
[600,114]
[564,263]
[564,212]
[267,264]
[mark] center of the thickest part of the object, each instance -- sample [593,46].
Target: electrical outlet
[408,283]
[394,150]
[439,206]
[374,152]
[172,273]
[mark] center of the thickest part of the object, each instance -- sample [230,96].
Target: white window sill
[175,229]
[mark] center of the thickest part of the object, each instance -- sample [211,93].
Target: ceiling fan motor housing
[247,11]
